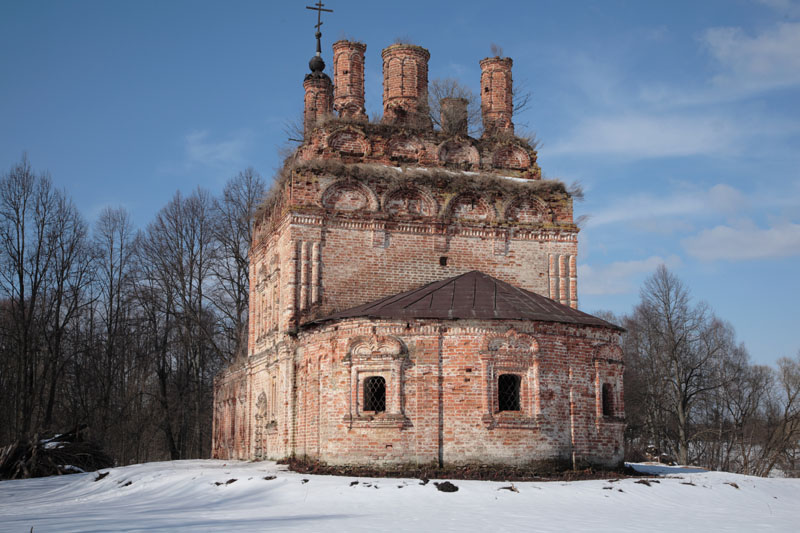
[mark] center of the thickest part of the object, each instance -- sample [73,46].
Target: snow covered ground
[197,496]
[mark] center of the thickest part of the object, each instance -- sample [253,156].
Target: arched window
[375,394]
[608,400]
[508,392]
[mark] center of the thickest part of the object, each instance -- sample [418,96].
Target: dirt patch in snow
[550,471]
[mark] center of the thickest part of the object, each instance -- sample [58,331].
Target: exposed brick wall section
[318,102]
[497,98]
[405,84]
[441,394]
[358,142]
[348,79]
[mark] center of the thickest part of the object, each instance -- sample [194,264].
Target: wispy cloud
[745,241]
[200,149]
[649,135]
[620,277]
[719,199]
[756,63]
[746,65]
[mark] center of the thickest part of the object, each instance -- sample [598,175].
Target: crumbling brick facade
[363,211]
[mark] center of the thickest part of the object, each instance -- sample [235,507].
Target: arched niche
[409,200]
[349,195]
[527,210]
[511,157]
[455,152]
[349,141]
[405,148]
[470,206]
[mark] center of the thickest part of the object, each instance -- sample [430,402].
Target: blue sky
[681,119]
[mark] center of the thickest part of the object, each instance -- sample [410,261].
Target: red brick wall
[441,393]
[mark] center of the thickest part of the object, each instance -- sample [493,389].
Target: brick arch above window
[609,352]
[511,342]
[376,346]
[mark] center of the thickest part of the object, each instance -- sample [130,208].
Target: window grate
[508,392]
[375,394]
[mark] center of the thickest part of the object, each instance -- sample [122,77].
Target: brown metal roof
[471,295]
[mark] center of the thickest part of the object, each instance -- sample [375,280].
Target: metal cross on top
[319,8]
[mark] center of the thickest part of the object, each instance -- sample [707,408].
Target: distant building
[413,292]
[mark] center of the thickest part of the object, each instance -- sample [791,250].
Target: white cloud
[620,277]
[200,150]
[746,241]
[721,199]
[649,136]
[765,61]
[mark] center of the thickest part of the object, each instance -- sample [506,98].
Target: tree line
[122,331]
[117,329]
[692,393]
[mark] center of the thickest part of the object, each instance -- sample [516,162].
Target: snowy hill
[200,496]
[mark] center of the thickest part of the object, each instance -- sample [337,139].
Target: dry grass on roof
[444,180]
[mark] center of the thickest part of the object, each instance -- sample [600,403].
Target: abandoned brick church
[413,291]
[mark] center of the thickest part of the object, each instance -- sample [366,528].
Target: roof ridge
[503,302]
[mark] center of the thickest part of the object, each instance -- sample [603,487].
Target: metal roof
[472,295]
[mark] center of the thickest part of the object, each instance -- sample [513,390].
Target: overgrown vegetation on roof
[444,180]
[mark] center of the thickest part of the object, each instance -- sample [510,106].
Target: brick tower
[414,291]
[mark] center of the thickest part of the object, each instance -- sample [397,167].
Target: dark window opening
[375,394]
[508,392]
[608,400]
[443,261]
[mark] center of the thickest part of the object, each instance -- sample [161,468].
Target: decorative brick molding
[381,356]
[512,353]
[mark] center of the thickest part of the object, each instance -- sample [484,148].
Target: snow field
[195,496]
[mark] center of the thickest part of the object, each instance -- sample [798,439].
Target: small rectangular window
[508,392]
[375,394]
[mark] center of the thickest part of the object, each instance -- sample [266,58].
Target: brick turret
[318,99]
[348,77]
[405,84]
[496,95]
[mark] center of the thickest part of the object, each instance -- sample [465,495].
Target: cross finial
[319,8]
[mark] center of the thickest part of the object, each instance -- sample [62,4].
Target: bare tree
[234,234]
[677,348]
[27,222]
[442,88]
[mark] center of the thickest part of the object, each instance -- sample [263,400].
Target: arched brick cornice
[330,194]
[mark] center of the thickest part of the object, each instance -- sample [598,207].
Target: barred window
[608,400]
[375,394]
[508,392]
